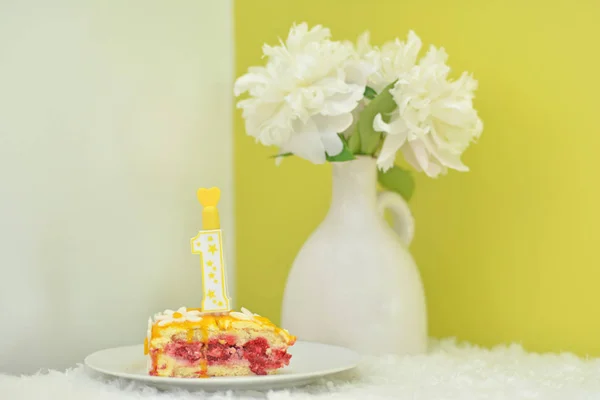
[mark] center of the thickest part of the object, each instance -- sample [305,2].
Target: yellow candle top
[210,215]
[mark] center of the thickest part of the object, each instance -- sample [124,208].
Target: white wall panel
[112,114]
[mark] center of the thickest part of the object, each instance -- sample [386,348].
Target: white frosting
[149,331]
[245,315]
[167,317]
[149,338]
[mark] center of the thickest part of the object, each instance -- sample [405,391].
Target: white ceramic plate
[309,362]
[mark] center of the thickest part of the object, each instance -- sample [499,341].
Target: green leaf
[382,104]
[344,155]
[354,142]
[397,180]
[370,93]
[282,155]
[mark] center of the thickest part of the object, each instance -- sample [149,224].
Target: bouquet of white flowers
[326,100]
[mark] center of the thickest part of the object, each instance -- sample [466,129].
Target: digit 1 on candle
[208,244]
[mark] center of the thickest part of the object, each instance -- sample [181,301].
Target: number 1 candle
[208,243]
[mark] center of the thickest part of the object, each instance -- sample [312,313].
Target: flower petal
[341,103]
[379,125]
[420,153]
[256,77]
[357,72]
[391,145]
[278,161]
[363,43]
[307,146]
[385,163]
[434,169]
[332,123]
[445,157]
[332,143]
[239,315]
[306,143]
[409,156]
[246,311]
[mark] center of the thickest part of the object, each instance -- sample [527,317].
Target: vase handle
[403,222]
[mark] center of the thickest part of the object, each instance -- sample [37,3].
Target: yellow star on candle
[221,303]
[212,249]
[210,238]
[216,281]
[211,275]
[211,294]
[209,263]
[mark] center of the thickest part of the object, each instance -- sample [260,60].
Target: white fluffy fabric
[449,371]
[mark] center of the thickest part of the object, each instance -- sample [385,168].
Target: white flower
[304,95]
[181,315]
[390,60]
[435,120]
[246,314]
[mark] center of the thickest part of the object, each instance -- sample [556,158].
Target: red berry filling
[190,352]
[221,350]
[255,351]
[261,358]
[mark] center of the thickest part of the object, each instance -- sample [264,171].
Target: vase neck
[354,185]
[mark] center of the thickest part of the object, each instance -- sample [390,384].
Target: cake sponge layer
[229,344]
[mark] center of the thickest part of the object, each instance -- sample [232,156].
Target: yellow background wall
[509,251]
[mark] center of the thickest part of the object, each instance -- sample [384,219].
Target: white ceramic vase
[354,283]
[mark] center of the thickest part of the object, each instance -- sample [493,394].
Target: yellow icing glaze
[220,322]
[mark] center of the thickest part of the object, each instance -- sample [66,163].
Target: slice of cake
[188,343]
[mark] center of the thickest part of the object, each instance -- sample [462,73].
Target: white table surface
[447,372]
